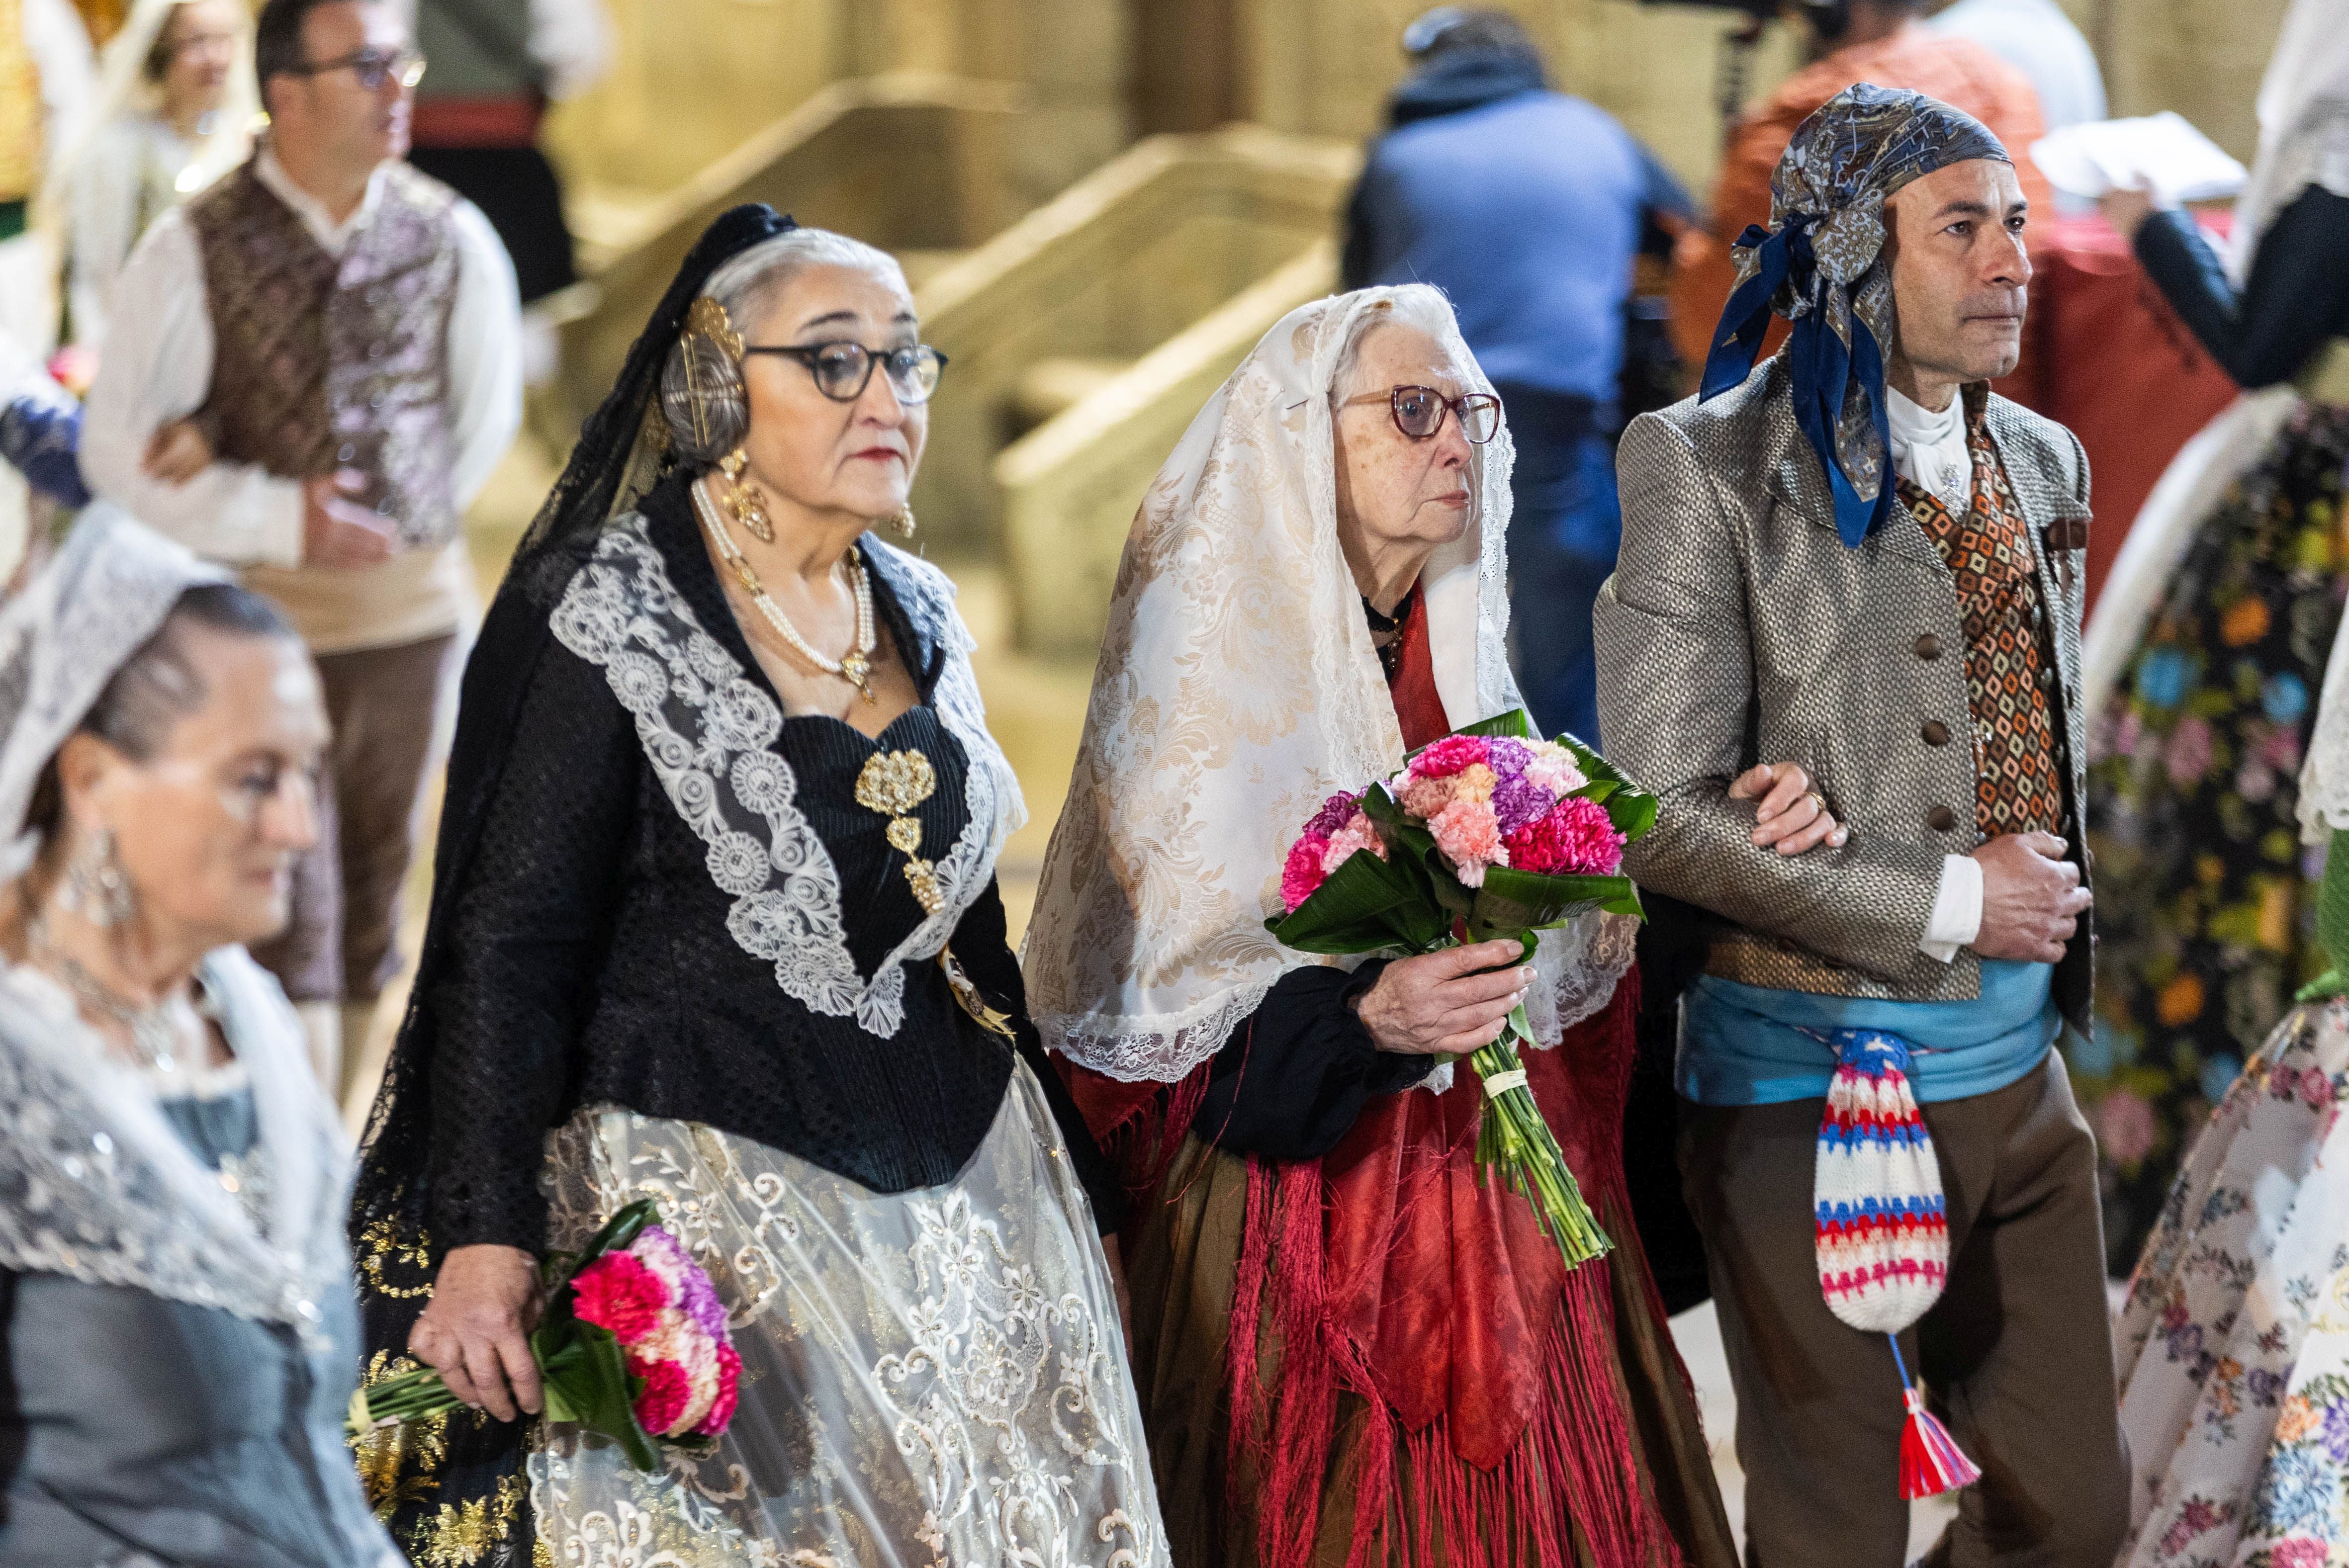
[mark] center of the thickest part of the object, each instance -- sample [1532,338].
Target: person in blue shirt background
[1528,207]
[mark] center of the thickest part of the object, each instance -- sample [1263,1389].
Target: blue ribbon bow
[1823,367]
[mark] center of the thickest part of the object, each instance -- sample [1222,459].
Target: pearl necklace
[855,666]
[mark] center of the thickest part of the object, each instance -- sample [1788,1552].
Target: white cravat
[1929,451]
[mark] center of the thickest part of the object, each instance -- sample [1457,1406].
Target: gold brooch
[894,784]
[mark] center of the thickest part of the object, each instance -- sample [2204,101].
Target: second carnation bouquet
[633,1345]
[1490,832]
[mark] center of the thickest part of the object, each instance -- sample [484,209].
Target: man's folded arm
[1675,695]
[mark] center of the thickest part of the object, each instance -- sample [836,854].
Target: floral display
[1489,833]
[633,1346]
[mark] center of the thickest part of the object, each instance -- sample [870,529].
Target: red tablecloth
[2113,362]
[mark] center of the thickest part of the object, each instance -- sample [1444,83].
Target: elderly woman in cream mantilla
[1347,1346]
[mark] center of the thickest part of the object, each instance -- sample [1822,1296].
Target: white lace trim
[1142,1048]
[109,586]
[708,731]
[96,1186]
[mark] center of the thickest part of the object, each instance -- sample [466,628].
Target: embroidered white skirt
[929,1378]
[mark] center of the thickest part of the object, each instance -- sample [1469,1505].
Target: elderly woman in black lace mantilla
[715,922]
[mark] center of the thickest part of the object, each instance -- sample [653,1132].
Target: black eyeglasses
[372,67]
[843,370]
[1419,411]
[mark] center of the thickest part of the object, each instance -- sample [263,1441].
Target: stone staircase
[1086,336]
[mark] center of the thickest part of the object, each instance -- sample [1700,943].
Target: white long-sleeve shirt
[1929,451]
[158,367]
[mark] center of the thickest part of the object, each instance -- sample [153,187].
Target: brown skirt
[1184,1273]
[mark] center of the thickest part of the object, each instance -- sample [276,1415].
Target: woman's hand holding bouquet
[633,1346]
[1484,838]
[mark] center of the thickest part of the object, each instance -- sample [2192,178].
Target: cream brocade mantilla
[1237,687]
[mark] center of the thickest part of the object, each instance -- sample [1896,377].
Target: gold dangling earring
[904,522]
[743,499]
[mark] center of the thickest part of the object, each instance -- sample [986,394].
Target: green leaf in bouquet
[1513,901]
[1631,808]
[1511,725]
[587,1382]
[1365,906]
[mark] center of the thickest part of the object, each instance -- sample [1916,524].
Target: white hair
[747,283]
[1422,305]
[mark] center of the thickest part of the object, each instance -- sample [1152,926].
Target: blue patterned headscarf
[1817,265]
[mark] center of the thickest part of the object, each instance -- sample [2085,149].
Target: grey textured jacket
[1738,629]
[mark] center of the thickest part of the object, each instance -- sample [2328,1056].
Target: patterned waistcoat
[2009,667]
[322,362]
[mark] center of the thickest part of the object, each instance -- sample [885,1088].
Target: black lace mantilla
[578,950]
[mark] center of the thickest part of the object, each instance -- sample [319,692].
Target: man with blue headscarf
[1857,557]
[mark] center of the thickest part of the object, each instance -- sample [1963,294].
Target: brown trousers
[2017,1354]
[384,703]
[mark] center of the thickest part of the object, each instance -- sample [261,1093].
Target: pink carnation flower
[729,1383]
[1358,833]
[666,1394]
[1449,755]
[1470,837]
[1303,873]
[1554,768]
[1576,838]
[1424,798]
[618,1292]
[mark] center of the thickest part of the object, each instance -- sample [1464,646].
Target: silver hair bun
[703,400]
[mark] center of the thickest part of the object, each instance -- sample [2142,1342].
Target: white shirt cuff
[1957,909]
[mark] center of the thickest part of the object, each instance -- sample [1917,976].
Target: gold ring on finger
[1818,801]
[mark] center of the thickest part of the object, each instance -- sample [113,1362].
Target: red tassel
[1930,1462]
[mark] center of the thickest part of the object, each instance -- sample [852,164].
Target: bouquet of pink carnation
[1489,833]
[633,1345]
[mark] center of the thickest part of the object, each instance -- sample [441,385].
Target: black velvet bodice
[592,962]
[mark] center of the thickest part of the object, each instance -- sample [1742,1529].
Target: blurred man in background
[496,67]
[1878,41]
[1529,208]
[313,367]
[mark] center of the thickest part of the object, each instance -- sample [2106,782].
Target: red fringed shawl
[1403,1279]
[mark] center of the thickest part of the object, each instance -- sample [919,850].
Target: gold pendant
[922,878]
[857,673]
